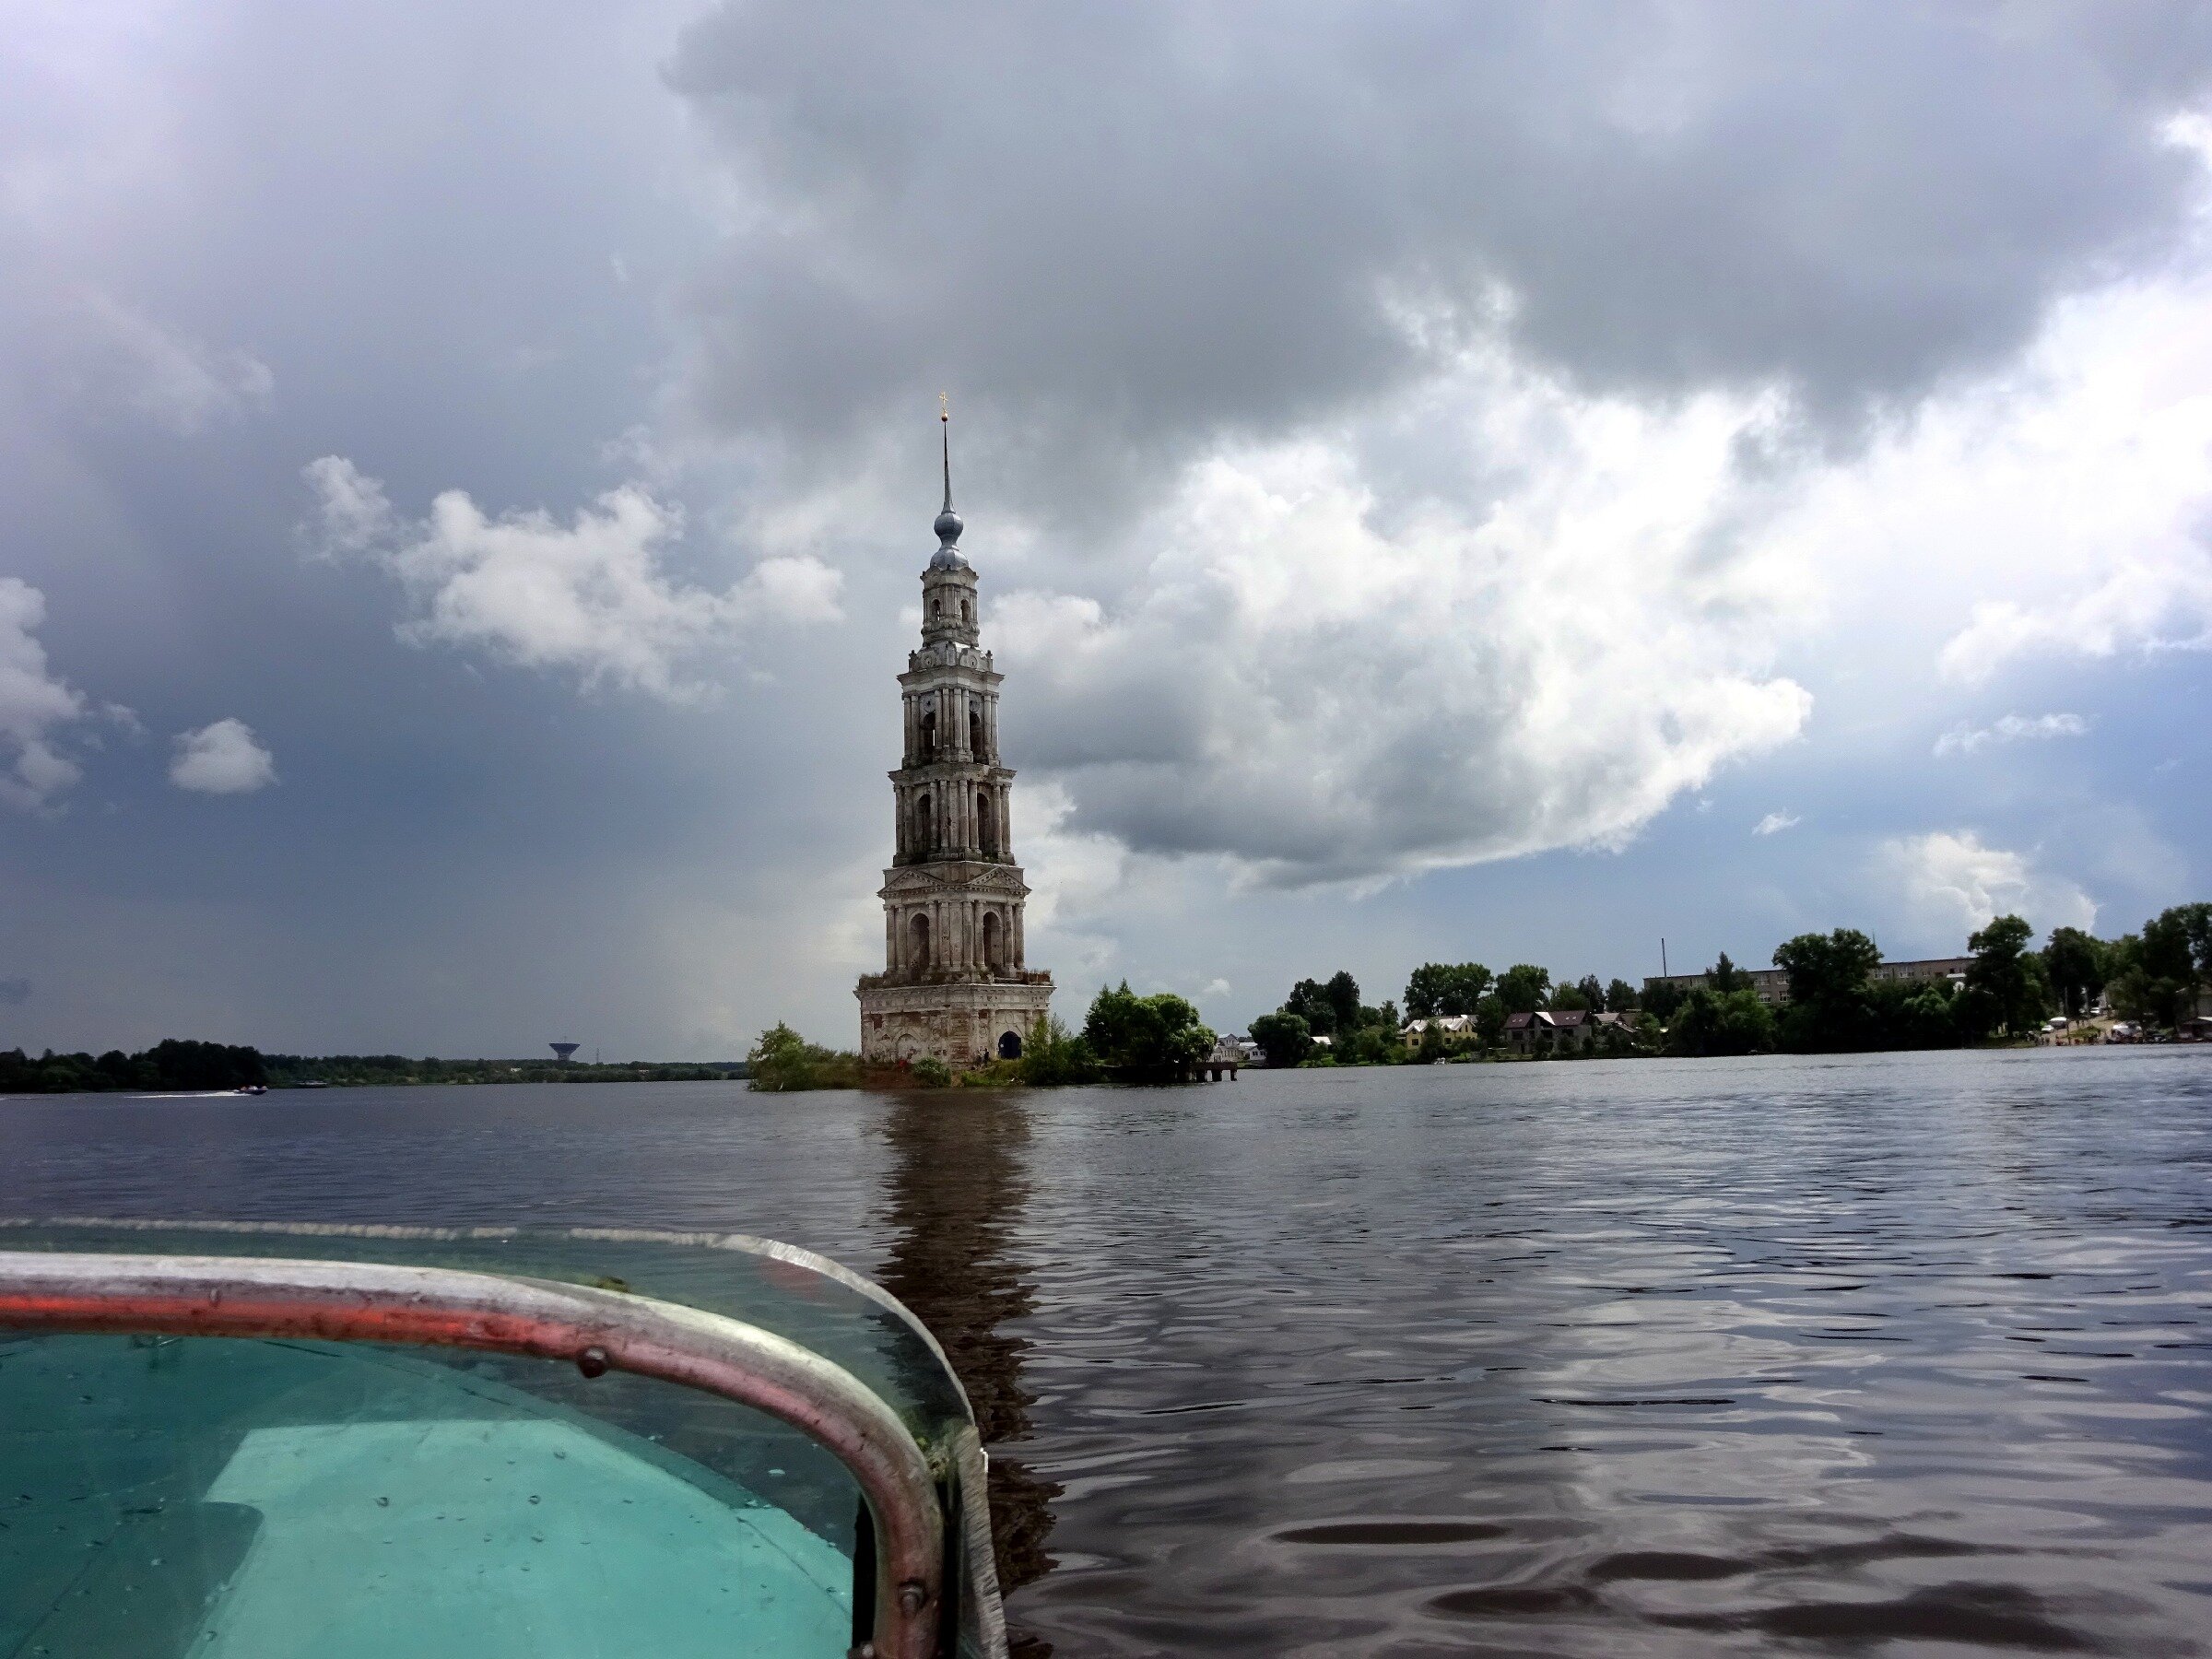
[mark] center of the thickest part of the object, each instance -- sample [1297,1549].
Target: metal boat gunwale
[740,1243]
[437,1307]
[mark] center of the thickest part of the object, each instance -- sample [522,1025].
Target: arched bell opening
[975,735]
[995,940]
[929,734]
[924,839]
[918,934]
[986,822]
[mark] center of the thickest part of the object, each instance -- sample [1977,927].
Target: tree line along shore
[182,1067]
[1836,1004]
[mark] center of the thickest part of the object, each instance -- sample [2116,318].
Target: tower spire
[949,522]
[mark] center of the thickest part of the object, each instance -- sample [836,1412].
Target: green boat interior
[713,1445]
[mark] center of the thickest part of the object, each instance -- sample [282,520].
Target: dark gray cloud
[1119,227]
[14,992]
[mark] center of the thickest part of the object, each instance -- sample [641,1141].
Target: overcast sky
[1507,483]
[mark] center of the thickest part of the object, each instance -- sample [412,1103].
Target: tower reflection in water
[957,1184]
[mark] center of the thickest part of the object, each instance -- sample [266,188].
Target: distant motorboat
[251,1089]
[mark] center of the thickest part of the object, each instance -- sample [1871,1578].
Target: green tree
[1309,999]
[1146,1039]
[1490,1020]
[1734,1022]
[1523,988]
[1662,998]
[2172,955]
[1724,976]
[1343,992]
[1908,1014]
[1374,1042]
[1445,988]
[2199,918]
[2003,972]
[780,1060]
[1432,1048]
[204,1065]
[2076,962]
[1829,1010]
[1594,993]
[1284,1038]
[1620,996]
[1053,1056]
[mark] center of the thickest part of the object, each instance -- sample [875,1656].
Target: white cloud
[2060,509]
[1321,682]
[1775,823]
[224,758]
[2147,605]
[33,704]
[1963,739]
[116,356]
[1954,882]
[591,596]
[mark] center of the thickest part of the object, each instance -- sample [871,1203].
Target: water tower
[561,1051]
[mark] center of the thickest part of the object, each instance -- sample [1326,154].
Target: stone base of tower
[961,1021]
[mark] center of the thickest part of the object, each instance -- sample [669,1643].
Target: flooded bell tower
[955,983]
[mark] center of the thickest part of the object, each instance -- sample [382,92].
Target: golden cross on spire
[944,407]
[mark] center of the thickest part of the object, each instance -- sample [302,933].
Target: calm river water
[1898,1354]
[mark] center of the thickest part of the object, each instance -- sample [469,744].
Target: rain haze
[1455,482]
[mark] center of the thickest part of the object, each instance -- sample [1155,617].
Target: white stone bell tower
[955,983]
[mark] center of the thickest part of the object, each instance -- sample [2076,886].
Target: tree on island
[1054,1057]
[783,1060]
[1145,1038]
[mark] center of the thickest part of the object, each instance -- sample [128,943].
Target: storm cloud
[1133,227]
